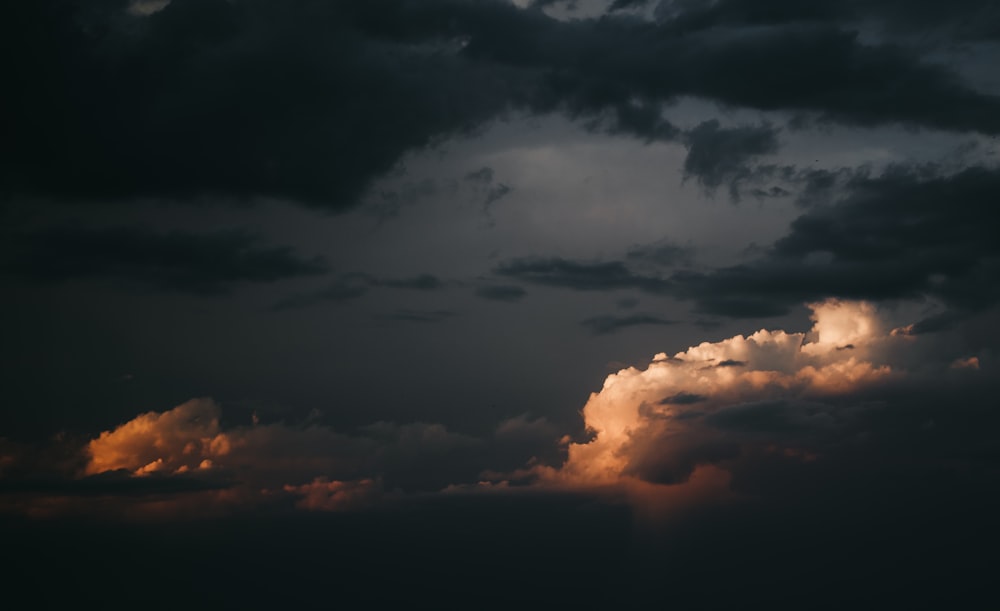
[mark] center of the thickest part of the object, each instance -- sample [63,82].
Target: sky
[497,302]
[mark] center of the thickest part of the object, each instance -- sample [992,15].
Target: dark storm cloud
[717,155]
[948,21]
[603,325]
[910,232]
[816,68]
[501,292]
[811,186]
[288,99]
[903,234]
[204,264]
[311,101]
[581,276]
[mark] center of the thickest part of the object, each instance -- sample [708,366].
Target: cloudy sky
[523,300]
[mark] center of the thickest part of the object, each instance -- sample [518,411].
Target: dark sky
[592,302]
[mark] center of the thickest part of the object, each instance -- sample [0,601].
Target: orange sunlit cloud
[642,412]
[268,460]
[178,440]
[659,436]
[314,465]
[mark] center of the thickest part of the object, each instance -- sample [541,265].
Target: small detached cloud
[606,324]
[718,155]
[501,292]
[581,275]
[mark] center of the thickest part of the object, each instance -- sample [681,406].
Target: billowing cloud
[190,439]
[186,460]
[854,404]
[183,439]
[699,407]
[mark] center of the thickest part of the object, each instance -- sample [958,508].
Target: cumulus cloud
[698,408]
[705,424]
[182,439]
[321,468]
[842,412]
[187,461]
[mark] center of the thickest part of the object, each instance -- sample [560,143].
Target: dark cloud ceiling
[311,101]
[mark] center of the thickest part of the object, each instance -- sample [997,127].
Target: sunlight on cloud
[666,438]
[640,414]
[183,439]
